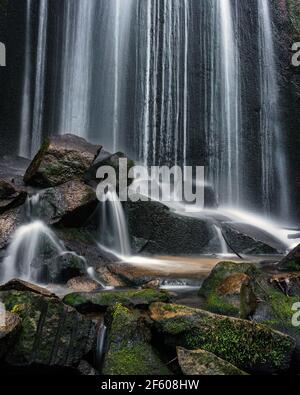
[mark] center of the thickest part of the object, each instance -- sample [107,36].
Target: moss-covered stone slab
[51,334]
[129,351]
[10,324]
[204,363]
[61,159]
[95,301]
[249,346]
[221,289]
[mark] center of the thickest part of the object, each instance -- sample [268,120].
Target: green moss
[294,16]
[219,305]
[292,266]
[136,360]
[105,299]
[281,314]
[243,344]
[130,352]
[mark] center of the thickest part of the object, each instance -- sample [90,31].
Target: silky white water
[113,225]
[27,245]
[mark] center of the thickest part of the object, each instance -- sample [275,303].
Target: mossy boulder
[129,351]
[204,363]
[95,301]
[51,334]
[10,325]
[249,346]
[70,204]
[61,159]
[221,289]
[291,263]
[269,299]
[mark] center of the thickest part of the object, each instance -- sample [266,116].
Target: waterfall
[224,127]
[32,109]
[25,120]
[76,67]
[27,245]
[274,170]
[113,225]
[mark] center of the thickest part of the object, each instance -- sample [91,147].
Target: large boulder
[61,159]
[52,333]
[60,268]
[249,346]
[161,231]
[10,325]
[100,301]
[71,204]
[222,288]
[204,363]
[129,351]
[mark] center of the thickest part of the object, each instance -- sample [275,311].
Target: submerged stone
[249,346]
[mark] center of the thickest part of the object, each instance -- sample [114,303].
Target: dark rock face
[203,363]
[61,159]
[248,240]
[10,196]
[129,351]
[100,301]
[52,333]
[161,231]
[62,268]
[8,332]
[249,346]
[71,204]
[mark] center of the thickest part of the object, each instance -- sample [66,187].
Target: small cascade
[100,350]
[29,244]
[223,245]
[113,225]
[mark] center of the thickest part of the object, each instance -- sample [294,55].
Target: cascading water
[113,225]
[224,132]
[273,171]
[32,111]
[27,245]
[76,67]
[161,80]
